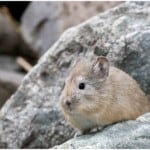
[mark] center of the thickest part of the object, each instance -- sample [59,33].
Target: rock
[8,63]
[6,90]
[31,118]
[11,40]
[43,28]
[11,76]
[130,135]
[9,82]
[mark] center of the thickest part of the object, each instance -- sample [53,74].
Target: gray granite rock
[8,63]
[31,118]
[6,90]
[43,28]
[130,135]
[9,82]
[10,77]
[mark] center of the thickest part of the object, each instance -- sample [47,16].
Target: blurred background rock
[28,29]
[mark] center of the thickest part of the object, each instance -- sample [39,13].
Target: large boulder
[12,44]
[43,28]
[31,118]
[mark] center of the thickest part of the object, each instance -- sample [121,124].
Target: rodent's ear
[100,67]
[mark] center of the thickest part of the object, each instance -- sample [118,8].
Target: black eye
[82,86]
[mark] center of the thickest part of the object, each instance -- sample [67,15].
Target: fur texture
[109,96]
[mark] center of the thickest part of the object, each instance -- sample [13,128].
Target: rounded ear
[101,67]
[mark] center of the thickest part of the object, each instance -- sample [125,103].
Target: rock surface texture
[12,45]
[43,28]
[130,135]
[31,118]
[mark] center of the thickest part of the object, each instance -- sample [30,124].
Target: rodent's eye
[81,86]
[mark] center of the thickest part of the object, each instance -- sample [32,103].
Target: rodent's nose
[68,103]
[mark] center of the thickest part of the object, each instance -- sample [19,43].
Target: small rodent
[97,94]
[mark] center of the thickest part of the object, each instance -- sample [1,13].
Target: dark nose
[68,103]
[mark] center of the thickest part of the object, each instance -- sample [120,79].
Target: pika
[97,94]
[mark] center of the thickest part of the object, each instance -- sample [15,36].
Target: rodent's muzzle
[69,102]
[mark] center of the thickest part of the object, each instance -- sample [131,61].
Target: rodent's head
[84,85]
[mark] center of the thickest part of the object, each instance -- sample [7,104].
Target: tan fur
[117,98]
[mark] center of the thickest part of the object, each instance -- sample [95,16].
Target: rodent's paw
[89,131]
[77,134]
[96,129]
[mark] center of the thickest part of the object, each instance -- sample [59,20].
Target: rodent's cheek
[61,100]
